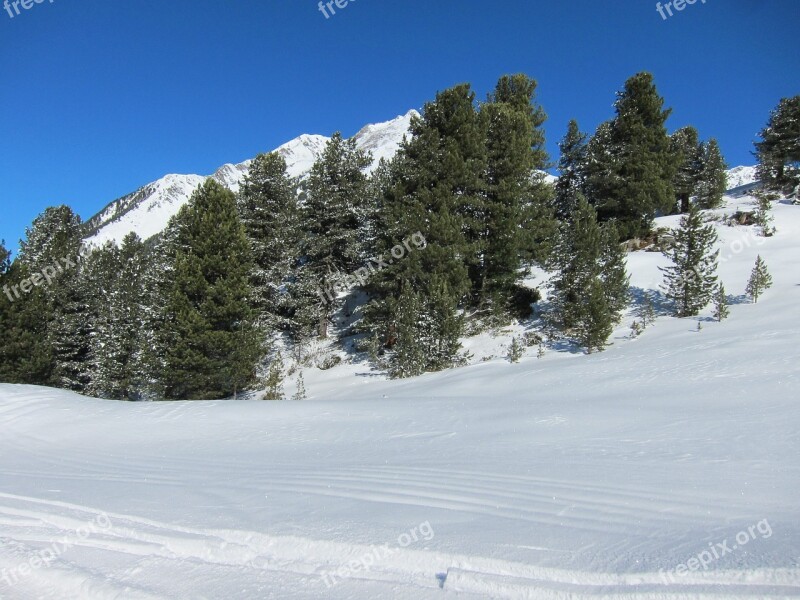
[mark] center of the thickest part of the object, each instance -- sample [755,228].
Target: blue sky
[102,96]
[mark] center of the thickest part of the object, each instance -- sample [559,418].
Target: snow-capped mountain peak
[148,210]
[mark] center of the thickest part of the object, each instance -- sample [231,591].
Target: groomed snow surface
[665,467]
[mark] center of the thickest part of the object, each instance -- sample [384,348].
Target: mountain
[148,210]
[740,176]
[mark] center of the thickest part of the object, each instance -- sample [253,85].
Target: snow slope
[570,476]
[148,210]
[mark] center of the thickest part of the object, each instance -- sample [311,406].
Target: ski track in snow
[562,478]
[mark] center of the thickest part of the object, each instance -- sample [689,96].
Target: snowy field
[666,467]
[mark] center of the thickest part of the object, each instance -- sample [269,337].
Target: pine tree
[54,341]
[760,280]
[273,385]
[268,210]
[713,181]
[646,312]
[212,348]
[300,392]
[613,272]
[596,326]
[336,206]
[689,153]
[689,282]
[436,190]
[116,278]
[721,310]
[630,165]
[515,351]
[589,263]
[571,167]
[763,218]
[778,152]
[513,197]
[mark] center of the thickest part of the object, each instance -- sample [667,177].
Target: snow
[569,476]
[739,176]
[148,210]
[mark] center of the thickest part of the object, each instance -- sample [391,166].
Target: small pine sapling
[274,381]
[516,350]
[300,392]
[721,310]
[760,280]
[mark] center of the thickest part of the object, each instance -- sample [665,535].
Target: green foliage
[590,263]
[721,309]
[267,203]
[300,392]
[690,281]
[760,280]
[778,152]
[571,167]
[689,154]
[210,347]
[631,165]
[516,351]
[336,206]
[273,384]
[763,216]
[646,312]
[713,180]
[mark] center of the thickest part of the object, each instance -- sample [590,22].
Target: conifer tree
[267,204]
[721,309]
[646,311]
[689,155]
[515,351]
[54,345]
[760,280]
[300,392]
[571,167]
[596,325]
[435,189]
[631,164]
[336,206]
[116,277]
[690,281]
[515,208]
[778,151]
[613,272]
[591,285]
[762,217]
[713,180]
[211,348]
[273,385]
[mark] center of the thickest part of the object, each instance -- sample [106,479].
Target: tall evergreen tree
[713,180]
[52,343]
[778,151]
[631,165]
[268,209]
[689,155]
[760,280]
[690,281]
[513,196]
[211,348]
[591,285]
[572,170]
[336,206]
[436,189]
[117,279]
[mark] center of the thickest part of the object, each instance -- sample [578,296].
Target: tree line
[196,312]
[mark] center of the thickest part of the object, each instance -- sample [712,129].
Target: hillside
[613,475]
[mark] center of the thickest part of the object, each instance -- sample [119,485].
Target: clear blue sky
[102,96]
